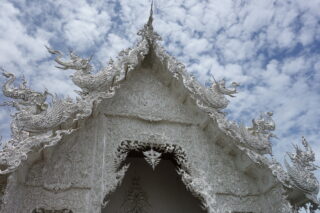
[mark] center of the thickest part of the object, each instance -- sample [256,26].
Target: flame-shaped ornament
[152,157]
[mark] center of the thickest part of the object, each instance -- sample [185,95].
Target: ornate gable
[38,124]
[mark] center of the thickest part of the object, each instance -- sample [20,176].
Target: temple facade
[144,136]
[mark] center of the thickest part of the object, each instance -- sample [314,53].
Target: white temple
[144,136]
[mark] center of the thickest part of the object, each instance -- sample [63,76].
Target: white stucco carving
[70,155]
[152,157]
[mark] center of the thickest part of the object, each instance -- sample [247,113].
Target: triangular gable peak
[36,125]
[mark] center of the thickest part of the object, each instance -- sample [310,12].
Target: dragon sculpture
[301,172]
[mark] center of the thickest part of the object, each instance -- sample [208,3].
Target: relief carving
[136,199]
[197,185]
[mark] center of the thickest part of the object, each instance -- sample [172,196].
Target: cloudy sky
[272,48]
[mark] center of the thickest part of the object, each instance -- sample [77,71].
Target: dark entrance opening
[145,190]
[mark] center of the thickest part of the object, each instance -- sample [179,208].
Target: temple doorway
[145,190]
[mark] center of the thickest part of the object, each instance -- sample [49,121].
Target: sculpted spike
[147,32]
[150,20]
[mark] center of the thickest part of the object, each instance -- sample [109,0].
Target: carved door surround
[153,152]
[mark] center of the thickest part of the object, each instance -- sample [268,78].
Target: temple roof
[37,124]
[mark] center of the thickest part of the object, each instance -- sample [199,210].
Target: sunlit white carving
[42,120]
[263,125]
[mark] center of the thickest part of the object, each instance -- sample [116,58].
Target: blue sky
[272,48]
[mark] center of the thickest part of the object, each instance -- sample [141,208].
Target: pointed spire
[147,31]
[150,20]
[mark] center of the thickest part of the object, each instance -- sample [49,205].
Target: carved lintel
[56,187]
[43,210]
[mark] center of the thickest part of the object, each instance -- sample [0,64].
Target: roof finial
[147,31]
[151,14]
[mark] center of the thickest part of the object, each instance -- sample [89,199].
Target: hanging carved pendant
[152,157]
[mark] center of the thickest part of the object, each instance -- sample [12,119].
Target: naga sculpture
[263,125]
[255,138]
[26,98]
[301,171]
[214,96]
[45,120]
[83,76]
[258,136]
[106,79]
[220,87]
[33,113]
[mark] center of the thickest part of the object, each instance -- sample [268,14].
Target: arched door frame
[196,185]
